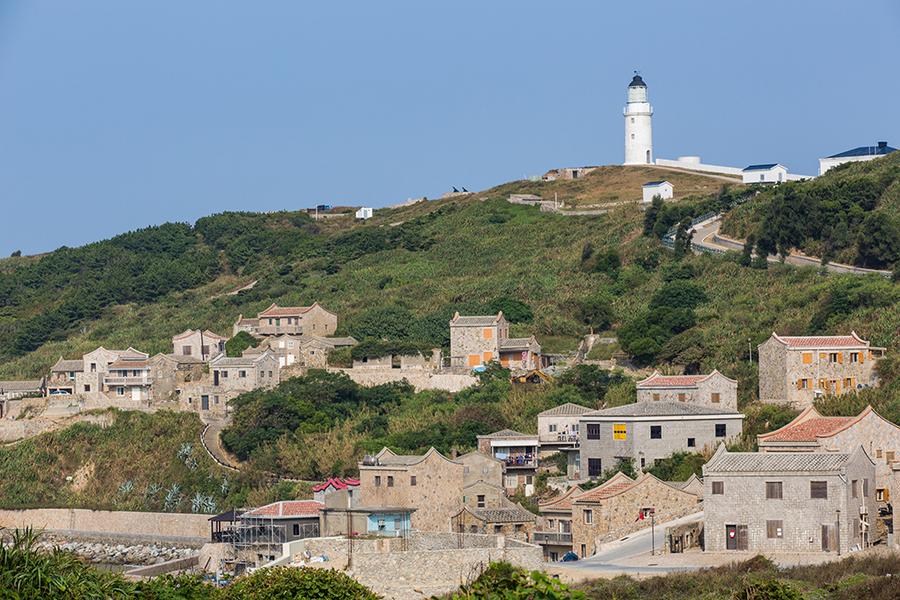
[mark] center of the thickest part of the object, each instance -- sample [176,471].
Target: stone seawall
[138,526]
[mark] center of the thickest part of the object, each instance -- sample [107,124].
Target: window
[656,432]
[551,523]
[593,431]
[552,427]
[833,357]
[215,399]
[715,398]
[588,516]
[517,527]
[487,333]
[594,467]
[818,489]
[620,431]
[583,551]
[774,530]
[848,383]
[656,397]
[854,489]
[378,481]
[632,119]
[270,373]
[682,397]
[87,387]
[643,462]
[774,490]
[718,488]
[807,358]
[878,453]
[720,430]
[390,481]
[480,500]
[865,488]
[224,374]
[412,480]
[242,374]
[93,367]
[296,528]
[879,495]
[120,391]
[692,443]
[854,357]
[498,528]
[632,136]
[803,384]
[554,556]
[205,349]
[889,456]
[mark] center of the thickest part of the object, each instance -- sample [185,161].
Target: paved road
[707,236]
[613,554]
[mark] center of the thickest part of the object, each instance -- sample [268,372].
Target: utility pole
[750,351]
[652,532]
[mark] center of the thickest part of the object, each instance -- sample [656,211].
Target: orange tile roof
[809,430]
[822,341]
[604,491]
[673,380]
[284,311]
[287,508]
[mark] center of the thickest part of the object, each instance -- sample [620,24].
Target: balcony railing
[552,537]
[560,438]
[520,461]
[126,380]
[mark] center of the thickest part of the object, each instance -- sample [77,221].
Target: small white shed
[663,189]
[768,173]
[364,213]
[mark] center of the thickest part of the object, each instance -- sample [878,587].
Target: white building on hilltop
[768,173]
[364,213]
[638,127]
[652,189]
[855,155]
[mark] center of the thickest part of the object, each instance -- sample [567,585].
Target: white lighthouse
[638,127]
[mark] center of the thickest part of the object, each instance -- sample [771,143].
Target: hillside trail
[210,439]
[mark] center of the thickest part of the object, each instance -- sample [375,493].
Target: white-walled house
[663,189]
[767,173]
[364,213]
[855,155]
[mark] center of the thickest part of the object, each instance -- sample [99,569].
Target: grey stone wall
[638,443]
[701,395]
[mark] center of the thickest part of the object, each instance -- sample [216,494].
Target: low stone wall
[119,554]
[420,379]
[76,522]
[420,567]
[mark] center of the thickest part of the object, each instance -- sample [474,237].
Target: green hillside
[407,269]
[851,215]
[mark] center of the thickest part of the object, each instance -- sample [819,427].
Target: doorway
[204,402]
[736,537]
[215,377]
[648,157]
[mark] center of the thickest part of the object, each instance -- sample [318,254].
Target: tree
[683,236]
[240,342]
[384,323]
[878,244]
[514,310]
[297,582]
[597,310]
[747,253]
[16,254]
[651,215]
[679,294]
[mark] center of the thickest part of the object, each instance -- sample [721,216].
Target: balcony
[560,438]
[142,381]
[526,461]
[552,538]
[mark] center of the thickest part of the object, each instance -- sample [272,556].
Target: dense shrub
[303,583]
[240,342]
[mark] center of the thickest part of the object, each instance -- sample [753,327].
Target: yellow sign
[620,431]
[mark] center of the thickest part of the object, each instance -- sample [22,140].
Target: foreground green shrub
[297,584]
[502,581]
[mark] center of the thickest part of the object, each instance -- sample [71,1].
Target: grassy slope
[135,447]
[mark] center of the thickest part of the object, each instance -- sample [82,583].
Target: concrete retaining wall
[135,525]
[419,378]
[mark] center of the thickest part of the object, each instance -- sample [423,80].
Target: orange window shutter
[822,355]
[799,384]
[862,357]
[840,357]
[488,333]
[837,386]
[487,356]
[473,360]
[807,358]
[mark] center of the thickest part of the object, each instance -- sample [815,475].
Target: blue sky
[116,115]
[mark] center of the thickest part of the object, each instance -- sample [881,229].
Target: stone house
[647,431]
[554,531]
[511,520]
[369,521]
[309,351]
[713,390]
[402,362]
[290,320]
[797,369]
[558,432]
[430,486]
[788,502]
[228,377]
[811,432]
[62,380]
[197,343]
[336,492]
[261,532]
[613,508]
[519,453]
[481,494]
[128,378]
[478,340]
[479,466]
[171,372]
[693,485]
[13,390]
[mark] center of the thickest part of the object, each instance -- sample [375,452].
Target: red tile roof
[822,341]
[284,311]
[287,508]
[337,482]
[809,430]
